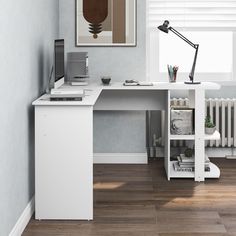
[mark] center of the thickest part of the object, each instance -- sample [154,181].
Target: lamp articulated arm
[182,37]
[195,46]
[191,75]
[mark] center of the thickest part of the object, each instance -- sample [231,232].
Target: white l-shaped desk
[64,142]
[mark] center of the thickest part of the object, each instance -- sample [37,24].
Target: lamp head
[164,27]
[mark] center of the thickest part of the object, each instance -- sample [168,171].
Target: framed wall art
[106,22]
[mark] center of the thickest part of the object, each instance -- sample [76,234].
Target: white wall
[119,132]
[121,63]
[27,31]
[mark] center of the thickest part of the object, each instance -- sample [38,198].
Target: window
[210,26]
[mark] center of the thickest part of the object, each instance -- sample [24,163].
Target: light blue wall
[121,63]
[27,30]
[119,132]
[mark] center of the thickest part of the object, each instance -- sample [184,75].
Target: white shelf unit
[171,173]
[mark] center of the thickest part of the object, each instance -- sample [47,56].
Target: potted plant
[210,127]
[189,152]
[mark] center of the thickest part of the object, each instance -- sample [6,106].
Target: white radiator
[223,113]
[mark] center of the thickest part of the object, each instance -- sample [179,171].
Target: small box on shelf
[181,121]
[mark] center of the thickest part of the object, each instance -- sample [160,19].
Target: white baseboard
[24,219]
[120,158]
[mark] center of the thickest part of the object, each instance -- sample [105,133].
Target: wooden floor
[137,200]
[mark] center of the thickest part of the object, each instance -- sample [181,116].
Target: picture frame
[114,25]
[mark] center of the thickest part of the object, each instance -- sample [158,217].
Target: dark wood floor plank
[197,234]
[137,200]
[125,211]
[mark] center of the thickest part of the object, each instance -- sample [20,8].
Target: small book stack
[187,163]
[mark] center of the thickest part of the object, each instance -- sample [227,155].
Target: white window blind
[194,14]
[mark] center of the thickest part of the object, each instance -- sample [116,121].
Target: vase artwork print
[105,22]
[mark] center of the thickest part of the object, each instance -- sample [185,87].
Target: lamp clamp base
[192,82]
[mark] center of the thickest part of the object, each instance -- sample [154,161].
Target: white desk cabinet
[64,162]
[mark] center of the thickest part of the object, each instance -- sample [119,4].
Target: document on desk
[136,83]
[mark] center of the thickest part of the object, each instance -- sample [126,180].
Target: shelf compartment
[213,173]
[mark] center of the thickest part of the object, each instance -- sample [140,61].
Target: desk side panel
[199,135]
[64,162]
[167,135]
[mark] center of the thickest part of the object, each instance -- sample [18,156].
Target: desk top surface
[92,91]
[156,86]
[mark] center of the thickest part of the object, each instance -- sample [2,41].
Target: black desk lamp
[165,28]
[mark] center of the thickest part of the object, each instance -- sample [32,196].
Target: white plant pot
[210,130]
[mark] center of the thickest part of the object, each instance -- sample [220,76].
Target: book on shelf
[185,163]
[188,163]
[185,159]
[179,168]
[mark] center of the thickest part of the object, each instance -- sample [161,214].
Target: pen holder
[172,73]
[172,78]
